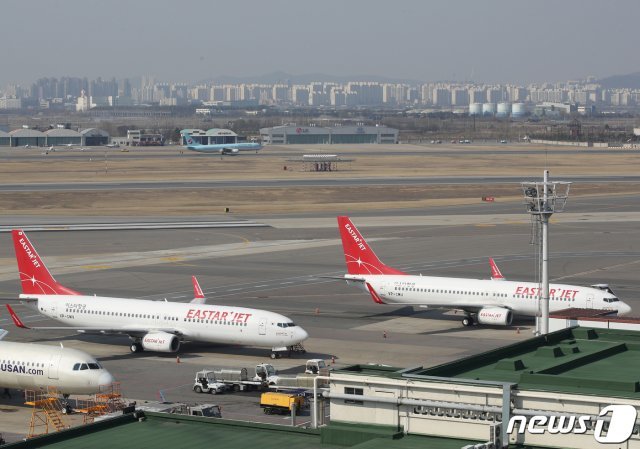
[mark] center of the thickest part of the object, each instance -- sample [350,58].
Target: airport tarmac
[279,263]
[279,268]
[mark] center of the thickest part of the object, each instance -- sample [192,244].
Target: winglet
[496,275]
[359,256]
[34,276]
[16,319]
[198,294]
[374,295]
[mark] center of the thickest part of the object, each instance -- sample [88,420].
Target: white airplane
[112,145]
[151,325]
[493,301]
[30,366]
[221,148]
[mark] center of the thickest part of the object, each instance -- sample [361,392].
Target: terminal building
[291,134]
[213,136]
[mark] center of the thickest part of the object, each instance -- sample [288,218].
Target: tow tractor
[206,383]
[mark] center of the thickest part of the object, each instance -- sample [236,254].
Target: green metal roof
[600,362]
[158,430]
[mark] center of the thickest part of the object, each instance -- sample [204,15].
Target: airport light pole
[542,200]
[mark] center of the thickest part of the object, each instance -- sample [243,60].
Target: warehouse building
[5,139]
[291,134]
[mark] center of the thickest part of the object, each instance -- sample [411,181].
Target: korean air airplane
[30,366]
[151,325]
[221,148]
[493,301]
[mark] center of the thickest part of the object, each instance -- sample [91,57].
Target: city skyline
[497,41]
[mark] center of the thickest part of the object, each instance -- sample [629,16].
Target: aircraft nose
[106,378]
[624,309]
[301,334]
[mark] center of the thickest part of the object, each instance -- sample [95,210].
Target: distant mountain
[282,77]
[630,81]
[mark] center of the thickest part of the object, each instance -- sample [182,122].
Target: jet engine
[160,342]
[495,315]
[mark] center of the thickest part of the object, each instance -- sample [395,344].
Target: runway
[279,183]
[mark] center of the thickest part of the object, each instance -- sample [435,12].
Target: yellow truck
[281,403]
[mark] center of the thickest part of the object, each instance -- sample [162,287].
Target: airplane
[158,326]
[30,366]
[221,148]
[112,145]
[492,301]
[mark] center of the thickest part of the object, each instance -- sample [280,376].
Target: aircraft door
[589,301]
[262,327]
[54,364]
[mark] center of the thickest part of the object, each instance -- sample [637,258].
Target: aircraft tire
[467,321]
[135,347]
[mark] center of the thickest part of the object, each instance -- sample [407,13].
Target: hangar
[32,137]
[291,134]
[54,137]
[62,136]
[94,137]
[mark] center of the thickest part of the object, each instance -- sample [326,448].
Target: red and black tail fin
[496,275]
[358,254]
[34,276]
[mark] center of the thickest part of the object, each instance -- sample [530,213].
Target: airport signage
[618,430]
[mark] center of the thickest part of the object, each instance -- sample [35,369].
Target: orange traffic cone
[517,330]
[177,359]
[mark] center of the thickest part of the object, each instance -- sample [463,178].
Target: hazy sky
[427,40]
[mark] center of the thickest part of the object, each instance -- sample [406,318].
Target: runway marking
[265,285]
[172,258]
[97,267]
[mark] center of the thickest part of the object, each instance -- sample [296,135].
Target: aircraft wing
[92,330]
[343,278]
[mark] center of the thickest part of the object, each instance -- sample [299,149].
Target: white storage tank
[475,109]
[504,109]
[488,109]
[518,110]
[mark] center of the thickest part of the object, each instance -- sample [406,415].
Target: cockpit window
[76,367]
[612,299]
[84,366]
[94,366]
[285,325]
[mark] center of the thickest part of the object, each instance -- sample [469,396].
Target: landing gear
[135,347]
[468,321]
[278,352]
